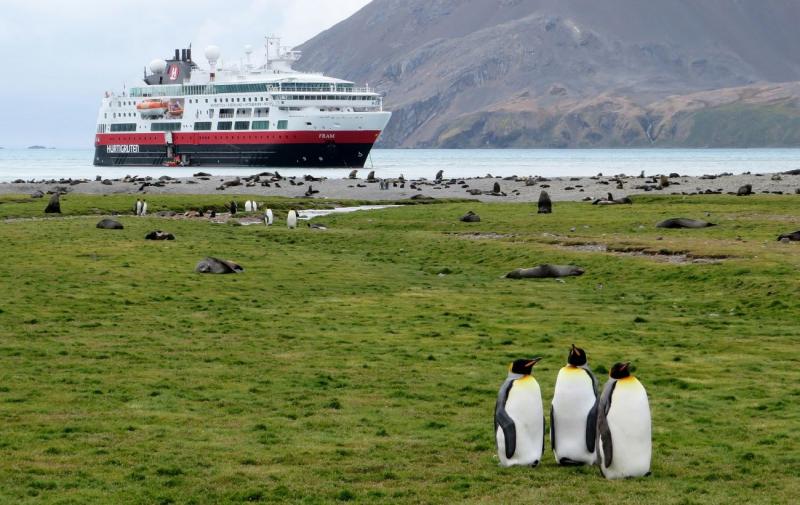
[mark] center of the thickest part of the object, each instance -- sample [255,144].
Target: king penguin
[519,417]
[623,426]
[248,207]
[144,208]
[268,217]
[255,206]
[291,219]
[573,413]
[138,207]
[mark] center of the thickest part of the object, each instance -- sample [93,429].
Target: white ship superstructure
[243,114]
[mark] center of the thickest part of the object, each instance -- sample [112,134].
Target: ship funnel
[177,54]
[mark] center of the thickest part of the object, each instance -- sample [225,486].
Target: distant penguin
[268,217]
[291,219]
[519,417]
[255,206]
[144,208]
[234,208]
[138,207]
[248,206]
[624,426]
[573,414]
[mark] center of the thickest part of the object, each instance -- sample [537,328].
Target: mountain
[574,73]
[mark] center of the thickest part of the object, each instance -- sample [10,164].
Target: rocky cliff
[574,73]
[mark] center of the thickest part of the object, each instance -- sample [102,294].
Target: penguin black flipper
[602,423]
[552,429]
[591,428]
[544,427]
[504,421]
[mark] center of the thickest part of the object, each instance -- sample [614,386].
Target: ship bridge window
[244,112]
[123,127]
[224,125]
[260,125]
[226,113]
[165,127]
[201,126]
[283,124]
[242,125]
[262,111]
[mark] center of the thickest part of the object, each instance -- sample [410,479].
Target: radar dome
[158,66]
[212,53]
[248,49]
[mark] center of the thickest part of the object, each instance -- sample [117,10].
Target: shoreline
[512,189]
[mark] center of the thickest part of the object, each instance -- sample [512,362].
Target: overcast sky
[58,57]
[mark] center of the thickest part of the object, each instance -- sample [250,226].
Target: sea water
[40,164]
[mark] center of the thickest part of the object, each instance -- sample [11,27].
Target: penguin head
[577,356]
[620,370]
[524,366]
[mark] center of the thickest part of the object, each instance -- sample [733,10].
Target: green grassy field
[362,363]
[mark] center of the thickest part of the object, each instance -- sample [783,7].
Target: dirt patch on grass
[663,255]
[485,236]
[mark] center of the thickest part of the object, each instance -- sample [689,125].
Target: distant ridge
[575,73]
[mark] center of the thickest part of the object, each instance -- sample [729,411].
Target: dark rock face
[217,266]
[545,205]
[110,224]
[470,217]
[477,56]
[745,190]
[684,223]
[54,205]
[793,237]
[159,235]
[545,272]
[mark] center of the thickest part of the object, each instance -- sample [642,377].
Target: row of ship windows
[265,99]
[202,126]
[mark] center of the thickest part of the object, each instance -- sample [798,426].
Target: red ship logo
[174,71]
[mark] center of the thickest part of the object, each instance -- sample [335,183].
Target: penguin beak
[533,362]
[626,366]
[573,350]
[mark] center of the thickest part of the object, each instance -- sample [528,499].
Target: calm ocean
[416,163]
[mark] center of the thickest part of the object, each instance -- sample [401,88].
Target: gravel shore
[487,189]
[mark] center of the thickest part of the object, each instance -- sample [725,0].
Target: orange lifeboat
[152,108]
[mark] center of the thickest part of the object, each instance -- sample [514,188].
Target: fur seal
[217,266]
[684,223]
[159,235]
[745,190]
[54,205]
[470,217]
[110,224]
[793,237]
[545,272]
[545,204]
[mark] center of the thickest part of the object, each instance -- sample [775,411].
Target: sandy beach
[487,189]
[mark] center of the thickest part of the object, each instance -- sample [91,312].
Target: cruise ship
[241,114]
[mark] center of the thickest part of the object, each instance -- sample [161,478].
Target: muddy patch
[663,255]
[485,236]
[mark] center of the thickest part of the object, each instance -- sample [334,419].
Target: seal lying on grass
[683,223]
[159,235]
[545,272]
[794,237]
[217,266]
[110,224]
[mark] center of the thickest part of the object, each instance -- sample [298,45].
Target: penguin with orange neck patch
[573,413]
[624,426]
[519,417]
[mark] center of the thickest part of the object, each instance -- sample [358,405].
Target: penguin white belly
[524,406]
[630,426]
[574,397]
[291,220]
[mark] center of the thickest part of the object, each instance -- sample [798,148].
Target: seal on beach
[110,224]
[545,272]
[353,174]
[745,190]
[54,205]
[470,217]
[519,417]
[792,237]
[217,266]
[439,175]
[159,235]
[684,223]
[545,204]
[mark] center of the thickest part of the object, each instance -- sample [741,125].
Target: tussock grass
[361,364]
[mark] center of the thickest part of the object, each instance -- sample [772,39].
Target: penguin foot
[569,462]
[648,474]
[535,464]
